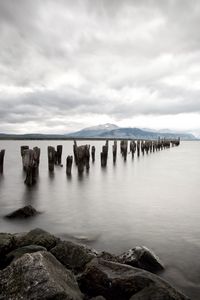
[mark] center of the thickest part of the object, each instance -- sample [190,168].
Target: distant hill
[108,131]
[113,131]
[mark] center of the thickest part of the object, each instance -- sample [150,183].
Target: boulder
[37,237]
[110,257]
[73,256]
[24,212]
[22,250]
[38,276]
[98,298]
[142,257]
[116,281]
[7,242]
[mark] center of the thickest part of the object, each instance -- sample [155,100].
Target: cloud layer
[69,64]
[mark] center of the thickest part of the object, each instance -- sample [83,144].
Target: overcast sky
[65,64]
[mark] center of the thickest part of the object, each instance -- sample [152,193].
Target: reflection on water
[150,200]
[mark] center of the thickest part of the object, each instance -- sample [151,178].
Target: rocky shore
[39,265]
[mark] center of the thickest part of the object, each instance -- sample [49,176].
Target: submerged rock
[74,256]
[38,276]
[116,281]
[37,237]
[142,257]
[24,212]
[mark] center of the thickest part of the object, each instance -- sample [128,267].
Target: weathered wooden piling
[138,147]
[31,163]
[23,148]
[104,154]
[59,154]
[133,147]
[75,151]
[114,151]
[51,158]
[124,148]
[93,153]
[2,154]
[87,157]
[69,162]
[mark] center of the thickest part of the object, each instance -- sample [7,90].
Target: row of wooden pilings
[31,157]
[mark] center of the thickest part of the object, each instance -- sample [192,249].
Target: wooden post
[69,161]
[87,157]
[104,155]
[75,151]
[124,148]
[2,153]
[23,148]
[114,151]
[59,154]
[51,158]
[31,159]
[93,153]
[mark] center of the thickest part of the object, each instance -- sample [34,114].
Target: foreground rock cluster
[38,265]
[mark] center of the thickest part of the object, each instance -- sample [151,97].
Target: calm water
[153,200]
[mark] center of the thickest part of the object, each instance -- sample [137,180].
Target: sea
[151,200]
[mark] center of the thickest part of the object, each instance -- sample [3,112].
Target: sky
[66,65]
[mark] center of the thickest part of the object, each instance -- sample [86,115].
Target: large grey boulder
[116,281]
[142,257]
[73,256]
[37,237]
[38,276]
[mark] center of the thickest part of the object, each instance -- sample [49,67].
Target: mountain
[93,132]
[113,131]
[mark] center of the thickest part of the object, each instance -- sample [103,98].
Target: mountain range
[112,131]
[108,131]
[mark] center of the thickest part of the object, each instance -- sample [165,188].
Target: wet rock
[110,257]
[37,237]
[17,253]
[116,281]
[142,257]
[6,243]
[38,276]
[24,212]
[73,255]
[98,298]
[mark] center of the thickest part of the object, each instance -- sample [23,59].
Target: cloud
[68,64]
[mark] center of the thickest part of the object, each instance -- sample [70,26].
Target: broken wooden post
[75,151]
[114,151]
[87,157]
[51,158]
[59,154]
[23,148]
[104,155]
[124,148]
[31,162]
[93,153]
[69,161]
[133,147]
[2,153]
[138,147]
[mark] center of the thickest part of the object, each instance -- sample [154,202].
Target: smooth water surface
[153,200]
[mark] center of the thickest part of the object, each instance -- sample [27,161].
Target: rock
[38,276]
[73,255]
[6,243]
[13,255]
[116,281]
[37,237]
[142,257]
[98,298]
[110,257]
[24,212]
